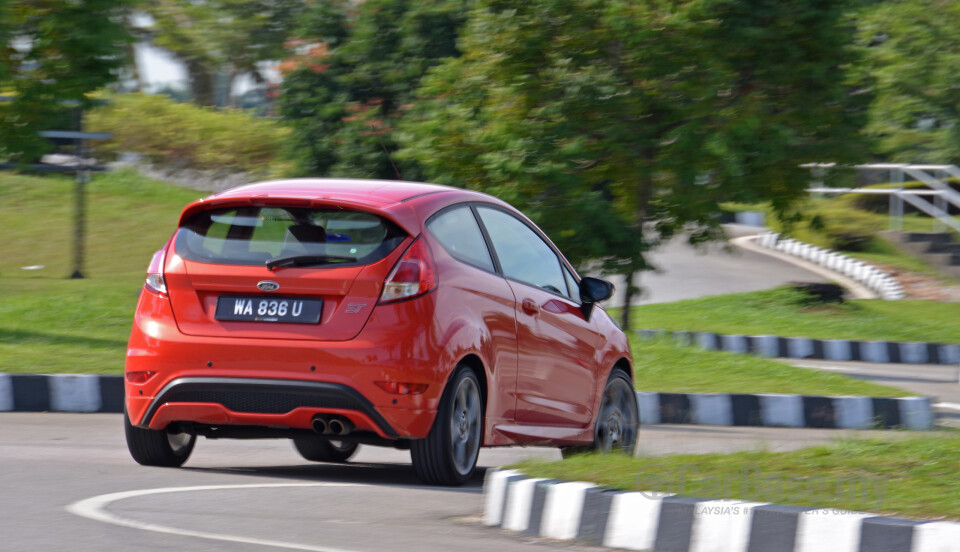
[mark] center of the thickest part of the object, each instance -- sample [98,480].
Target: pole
[79,219]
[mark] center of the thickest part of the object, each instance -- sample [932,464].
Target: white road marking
[95,508]
[947,406]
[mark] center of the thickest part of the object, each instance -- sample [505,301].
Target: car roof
[382,192]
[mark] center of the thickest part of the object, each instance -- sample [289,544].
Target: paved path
[687,272]
[50,461]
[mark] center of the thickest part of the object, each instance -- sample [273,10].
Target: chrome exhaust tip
[340,426]
[320,425]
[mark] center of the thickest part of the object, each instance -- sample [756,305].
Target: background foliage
[186,136]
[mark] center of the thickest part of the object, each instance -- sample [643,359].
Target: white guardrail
[870,276]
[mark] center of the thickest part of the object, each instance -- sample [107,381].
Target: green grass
[781,312]
[663,365]
[907,476]
[49,323]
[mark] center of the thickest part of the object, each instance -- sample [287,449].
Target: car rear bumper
[284,383]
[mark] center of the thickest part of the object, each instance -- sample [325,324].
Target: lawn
[49,323]
[906,476]
[664,365]
[782,311]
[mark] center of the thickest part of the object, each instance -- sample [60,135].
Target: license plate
[268,309]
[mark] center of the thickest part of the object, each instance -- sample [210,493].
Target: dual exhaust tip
[331,425]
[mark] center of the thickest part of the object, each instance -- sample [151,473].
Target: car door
[556,368]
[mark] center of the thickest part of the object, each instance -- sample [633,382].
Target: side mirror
[593,290]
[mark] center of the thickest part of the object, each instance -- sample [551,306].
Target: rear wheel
[448,456]
[158,447]
[322,450]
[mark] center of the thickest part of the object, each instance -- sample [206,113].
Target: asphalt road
[264,496]
[686,272]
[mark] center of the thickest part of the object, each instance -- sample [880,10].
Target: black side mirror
[593,290]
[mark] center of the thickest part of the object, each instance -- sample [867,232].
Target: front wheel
[619,418]
[157,447]
[448,456]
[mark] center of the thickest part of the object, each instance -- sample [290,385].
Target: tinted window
[457,231]
[523,255]
[255,235]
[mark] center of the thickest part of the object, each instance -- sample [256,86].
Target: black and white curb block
[778,410]
[773,346]
[667,523]
[885,285]
[61,393]
[95,393]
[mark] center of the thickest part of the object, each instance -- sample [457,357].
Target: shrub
[846,228]
[185,136]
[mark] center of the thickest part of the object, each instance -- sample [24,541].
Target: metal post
[79,227]
[899,202]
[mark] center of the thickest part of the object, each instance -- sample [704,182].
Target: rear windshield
[257,235]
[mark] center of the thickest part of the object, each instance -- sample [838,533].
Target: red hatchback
[345,312]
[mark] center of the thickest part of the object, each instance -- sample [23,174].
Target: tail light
[155,282]
[413,275]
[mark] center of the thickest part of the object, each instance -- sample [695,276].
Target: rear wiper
[308,260]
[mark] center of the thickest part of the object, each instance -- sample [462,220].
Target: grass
[907,476]
[49,323]
[782,312]
[663,365]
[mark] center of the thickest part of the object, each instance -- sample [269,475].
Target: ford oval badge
[267,285]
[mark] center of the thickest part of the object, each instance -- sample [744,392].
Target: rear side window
[256,235]
[457,231]
[523,255]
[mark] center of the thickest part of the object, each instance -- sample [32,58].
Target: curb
[61,393]
[662,522]
[774,346]
[885,285]
[97,393]
[779,410]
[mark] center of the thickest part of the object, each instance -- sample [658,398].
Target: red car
[345,312]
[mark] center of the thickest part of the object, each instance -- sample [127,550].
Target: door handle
[530,307]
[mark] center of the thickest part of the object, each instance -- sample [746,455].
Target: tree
[912,49]
[618,123]
[358,67]
[52,52]
[216,38]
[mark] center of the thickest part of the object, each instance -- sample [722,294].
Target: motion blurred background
[616,125]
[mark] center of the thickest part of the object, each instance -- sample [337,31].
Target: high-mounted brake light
[413,275]
[155,282]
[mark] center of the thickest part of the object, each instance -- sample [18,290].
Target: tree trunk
[201,82]
[627,299]
[644,193]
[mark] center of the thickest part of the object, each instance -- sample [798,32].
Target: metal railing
[942,194]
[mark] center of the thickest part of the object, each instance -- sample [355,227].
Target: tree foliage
[53,52]
[912,48]
[356,70]
[620,123]
[217,38]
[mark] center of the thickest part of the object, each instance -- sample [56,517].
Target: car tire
[323,450]
[157,447]
[618,420]
[448,456]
